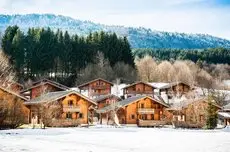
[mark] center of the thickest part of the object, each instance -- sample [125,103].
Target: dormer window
[70,102]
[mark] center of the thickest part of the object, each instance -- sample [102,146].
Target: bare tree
[13,113]
[7,73]
[165,70]
[147,69]
[124,72]
[101,68]
[49,112]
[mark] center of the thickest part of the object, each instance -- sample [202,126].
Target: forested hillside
[138,37]
[59,55]
[212,55]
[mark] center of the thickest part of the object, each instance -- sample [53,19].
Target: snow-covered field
[98,139]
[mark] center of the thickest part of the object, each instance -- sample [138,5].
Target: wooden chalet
[175,89]
[224,114]
[42,87]
[74,107]
[140,110]
[190,113]
[138,88]
[12,85]
[105,100]
[96,87]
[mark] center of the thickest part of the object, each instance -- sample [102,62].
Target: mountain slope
[138,37]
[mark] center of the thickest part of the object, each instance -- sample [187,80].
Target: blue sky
[188,16]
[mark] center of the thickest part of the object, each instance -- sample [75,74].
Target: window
[80,115]
[157,106]
[144,117]
[68,115]
[201,118]
[152,117]
[142,105]
[132,116]
[70,103]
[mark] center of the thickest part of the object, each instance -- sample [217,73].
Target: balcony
[151,123]
[139,92]
[99,87]
[98,93]
[146,110]
[71,108]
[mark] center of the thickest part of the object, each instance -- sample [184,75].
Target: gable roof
[46,81]
[128,101]
[85,84]
[226,107]
[173,84]
[158,84]
[103,97]
[186,103]
[13,93]
[225,115]
[52,96]
[148,84]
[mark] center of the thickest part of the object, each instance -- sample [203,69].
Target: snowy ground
[98,139]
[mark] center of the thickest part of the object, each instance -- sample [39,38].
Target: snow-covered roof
[158,84]
[224,114]
[130,100]
[52,96]
[103,97]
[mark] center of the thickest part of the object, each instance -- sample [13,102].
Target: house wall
[194,113]
[99,87]
[37,91]
[77,101]
[125,113]
[139,88]
[107,102]
[181,88]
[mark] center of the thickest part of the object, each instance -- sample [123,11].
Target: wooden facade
[42,87]
[191,113]
[74,107]
[13,86]
[224,115]
[138,88]
[176,89]
[106,100]
[103,101]
[96,87]
[139,110]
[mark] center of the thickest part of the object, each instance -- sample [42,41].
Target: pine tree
[211,121]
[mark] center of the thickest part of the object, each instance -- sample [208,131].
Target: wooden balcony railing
[68,108]
[98,93]
[146,110]
[151,123]
[99,87]
[139,92]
